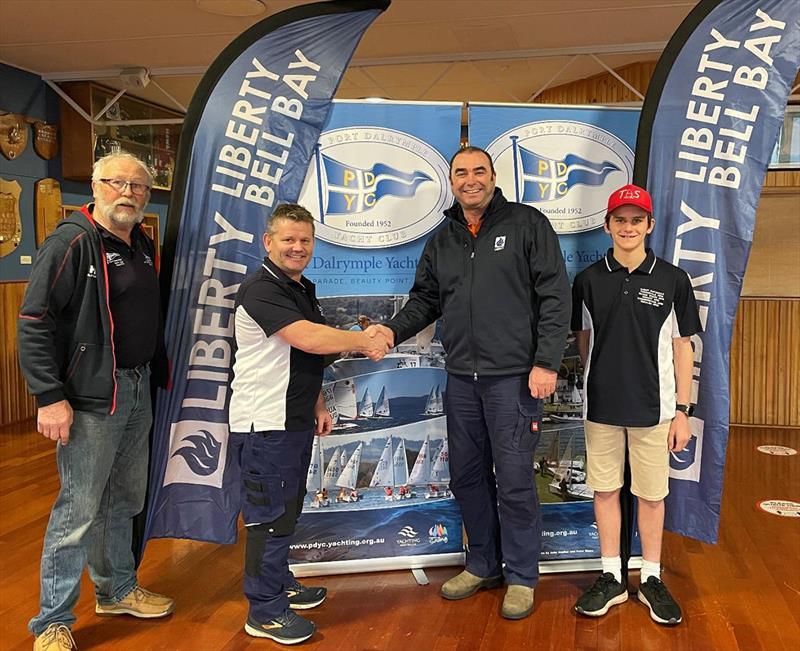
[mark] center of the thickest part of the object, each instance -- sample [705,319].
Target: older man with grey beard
[90,339]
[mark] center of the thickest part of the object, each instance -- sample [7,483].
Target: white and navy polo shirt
[275,386]
[629,380]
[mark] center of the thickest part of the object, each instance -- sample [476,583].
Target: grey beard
[110,213]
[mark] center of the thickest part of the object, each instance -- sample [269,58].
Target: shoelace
[660,591]
[287,618]
[60,634]
[599,587]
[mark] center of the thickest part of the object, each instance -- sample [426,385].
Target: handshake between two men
[379,340]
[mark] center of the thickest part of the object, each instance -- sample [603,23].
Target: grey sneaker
[287,628]
[518,602]
[466,584]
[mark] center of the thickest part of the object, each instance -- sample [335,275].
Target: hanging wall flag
[708,128]
[245,147]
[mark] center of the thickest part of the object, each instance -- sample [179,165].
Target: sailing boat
[344,398]
[421,472]
[569,480]
[366,408]
[440,473]
[382,410]
[333,471]
[384,471]
[314,479]
[400,466]
[434,406]
[349,478]
[572,410]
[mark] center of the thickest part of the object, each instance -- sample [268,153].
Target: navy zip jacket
[64,329]
[504,295]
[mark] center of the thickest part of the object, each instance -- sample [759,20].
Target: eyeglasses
[119,185]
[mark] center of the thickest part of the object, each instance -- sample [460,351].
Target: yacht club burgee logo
[564,168]
[372,187]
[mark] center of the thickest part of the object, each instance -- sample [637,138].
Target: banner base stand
[416,563]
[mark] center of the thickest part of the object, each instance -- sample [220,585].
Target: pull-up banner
[708,129]
[378,494]
[565,161]
[246,144]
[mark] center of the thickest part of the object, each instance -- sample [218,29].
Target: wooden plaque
[10,222]
[48,208]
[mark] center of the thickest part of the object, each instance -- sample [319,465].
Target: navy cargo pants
[274,468]
[492,432]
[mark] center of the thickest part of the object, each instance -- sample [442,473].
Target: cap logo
[629,194]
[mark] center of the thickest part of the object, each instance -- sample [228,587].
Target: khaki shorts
[649,458]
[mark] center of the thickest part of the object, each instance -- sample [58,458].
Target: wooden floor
[743,593]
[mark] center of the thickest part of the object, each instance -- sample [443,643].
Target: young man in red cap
[633,315]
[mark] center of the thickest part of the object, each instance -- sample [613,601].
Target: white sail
[344,396]
[383,405]
[575,396]
[400,464]
[439,401]
[366,408]
[333,470]
[554,398]
[343,460]
[314,477]
[349,476]
[330,402]
[440,473]
[384,472]
[421,471]
[433,406]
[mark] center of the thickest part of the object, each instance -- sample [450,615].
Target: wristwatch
[686,409]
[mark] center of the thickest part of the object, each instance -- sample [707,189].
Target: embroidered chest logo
[500,243]
[651,297]
[115,259]
[92,273]
[148,260]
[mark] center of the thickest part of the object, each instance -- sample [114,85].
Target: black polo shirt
[275,385]
[629,378]
[133,296]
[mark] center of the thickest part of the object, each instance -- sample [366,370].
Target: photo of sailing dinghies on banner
[382,475]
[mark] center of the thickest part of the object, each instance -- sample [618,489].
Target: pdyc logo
[371,187]
[565,169]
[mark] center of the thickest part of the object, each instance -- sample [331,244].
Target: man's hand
[54,421]
[376,329]
[542,381]
[679,432]
[322,416]
[376,346]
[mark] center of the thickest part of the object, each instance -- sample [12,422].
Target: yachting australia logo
[565,169]
[437,534]
[409,537]
[197,453]
[372,187]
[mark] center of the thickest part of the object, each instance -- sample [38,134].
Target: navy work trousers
[274,468]
[492,431]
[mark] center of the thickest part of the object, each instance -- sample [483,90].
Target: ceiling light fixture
[232,7]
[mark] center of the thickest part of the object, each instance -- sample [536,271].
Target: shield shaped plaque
[13,135]
[45,139]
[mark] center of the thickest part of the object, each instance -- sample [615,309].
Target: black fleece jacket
[504,295]
[64,329]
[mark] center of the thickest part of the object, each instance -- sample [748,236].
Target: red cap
[631,195]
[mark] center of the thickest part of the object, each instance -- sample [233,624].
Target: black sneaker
[302,597]
[663,608]
[605,592]
[287,628]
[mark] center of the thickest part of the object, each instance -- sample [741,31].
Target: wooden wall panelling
[602,88]
[765,363]
[15,403]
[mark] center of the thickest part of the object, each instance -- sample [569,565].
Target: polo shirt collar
[275,271]
[646,267]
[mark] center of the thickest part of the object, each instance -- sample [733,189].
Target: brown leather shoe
[518,602]
[139,603]
[56,637]
[466,584]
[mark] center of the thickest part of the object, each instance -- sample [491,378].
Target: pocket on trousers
[263,499]
[526,433]
[90,372]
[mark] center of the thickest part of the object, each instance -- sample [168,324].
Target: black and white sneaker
[287,628]
[663,608]
[302,597]
[605,592]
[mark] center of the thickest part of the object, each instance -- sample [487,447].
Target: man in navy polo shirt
[276,402]
[633,315]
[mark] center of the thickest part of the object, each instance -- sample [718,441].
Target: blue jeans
[103,472]
[492,432]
